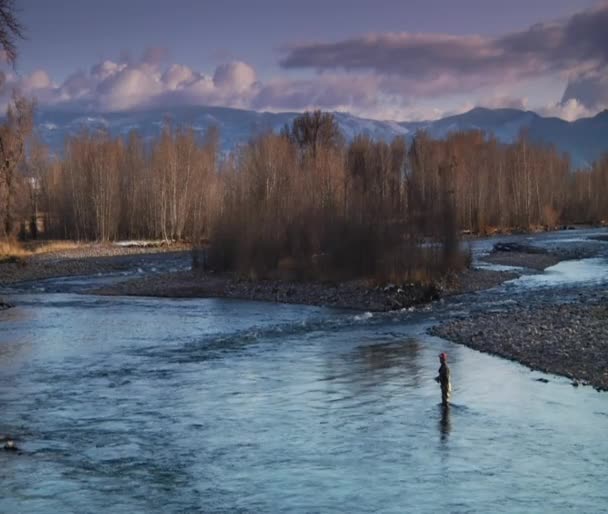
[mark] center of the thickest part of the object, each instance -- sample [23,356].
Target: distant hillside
[585,140]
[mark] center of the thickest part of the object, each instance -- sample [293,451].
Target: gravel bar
[568,339]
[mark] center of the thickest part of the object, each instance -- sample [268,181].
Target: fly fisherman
[444,379]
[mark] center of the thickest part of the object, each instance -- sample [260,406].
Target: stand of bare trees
[105,188]
[496,186]
[304,201]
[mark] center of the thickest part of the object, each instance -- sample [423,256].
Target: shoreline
[568,339]
[565,339]
[93,259]
[87,259]
[354,294]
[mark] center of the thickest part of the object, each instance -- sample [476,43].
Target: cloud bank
[147,83]
[386,76]
[575,49]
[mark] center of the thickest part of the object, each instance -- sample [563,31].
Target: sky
[382,59]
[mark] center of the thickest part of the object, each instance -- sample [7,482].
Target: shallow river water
[155,405]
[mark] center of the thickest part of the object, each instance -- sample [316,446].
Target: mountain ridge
[582,139]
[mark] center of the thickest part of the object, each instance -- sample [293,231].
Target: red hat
[443,356]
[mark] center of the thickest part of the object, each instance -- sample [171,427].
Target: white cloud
[589,88]
[569,110]
[505,102]
[178,76]
[127,89]
[435,64]
[106,69]
[234,76]
[148,83]
[37,80]
[119,86]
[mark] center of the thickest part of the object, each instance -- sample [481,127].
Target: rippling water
[156,405]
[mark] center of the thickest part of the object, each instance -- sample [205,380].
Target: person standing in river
[444,379]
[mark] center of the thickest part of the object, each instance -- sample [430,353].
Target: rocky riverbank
[348,295]
[95,259]
[356,294]
[85,259]
[359,295]
[568,339]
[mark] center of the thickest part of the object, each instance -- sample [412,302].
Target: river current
[131,405]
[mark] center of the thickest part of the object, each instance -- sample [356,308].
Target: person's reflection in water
[445,425]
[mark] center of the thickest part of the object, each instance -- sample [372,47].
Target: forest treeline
[303,200]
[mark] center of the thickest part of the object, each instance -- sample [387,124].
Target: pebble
[569,340]
[10,446]
[87,259]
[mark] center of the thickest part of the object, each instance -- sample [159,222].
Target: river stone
[10,446]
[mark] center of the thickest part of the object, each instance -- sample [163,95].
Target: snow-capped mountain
[585,139]
[235,126]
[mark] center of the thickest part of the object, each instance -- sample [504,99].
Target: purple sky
[392,59]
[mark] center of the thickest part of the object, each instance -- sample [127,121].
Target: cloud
[382,76]
[178,76]
[37,80]
[234,76]
[590,89]
[328,92]
[126,85]
[123,86]
[568,110]
[434,64]
[505,102]
[128,89]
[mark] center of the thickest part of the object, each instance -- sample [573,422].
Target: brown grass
[11,251]
[14,251]
[53,246]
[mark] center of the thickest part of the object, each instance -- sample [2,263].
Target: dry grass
[53,246]
[14,251]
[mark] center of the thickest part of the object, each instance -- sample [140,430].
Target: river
[131,405]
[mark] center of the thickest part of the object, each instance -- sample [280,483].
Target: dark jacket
[444,379]
[444,376]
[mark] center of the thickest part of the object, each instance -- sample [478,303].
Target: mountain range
[585,139]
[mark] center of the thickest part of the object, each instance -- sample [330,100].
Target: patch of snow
[138,244]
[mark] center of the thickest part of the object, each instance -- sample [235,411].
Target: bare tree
[10,30]
[36,181]
[13,135]
[310,131]
[362,209]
